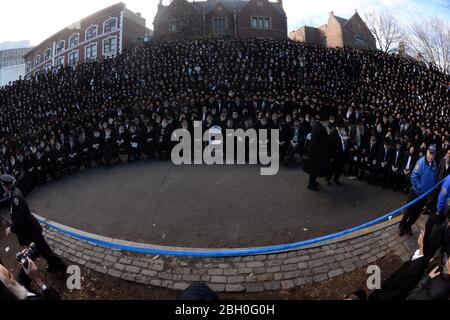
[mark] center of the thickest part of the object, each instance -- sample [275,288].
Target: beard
[17,290]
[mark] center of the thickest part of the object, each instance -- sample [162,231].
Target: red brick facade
[105,33]
[338,32]
[182,19]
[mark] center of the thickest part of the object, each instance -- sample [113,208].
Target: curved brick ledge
[282,270]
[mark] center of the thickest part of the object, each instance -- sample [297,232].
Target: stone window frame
[60,50]
[86,33]
[112,53]
[69,58]
[94,44]
[74,43]
[220,18]
[107,21]
[179,23]
[263,18]
[48,54]
[37,60]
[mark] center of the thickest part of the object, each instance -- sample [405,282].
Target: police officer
[444,198]
[25,225]
[423,178]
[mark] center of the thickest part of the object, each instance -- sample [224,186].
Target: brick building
[103,34]
[338,32]
[182,19]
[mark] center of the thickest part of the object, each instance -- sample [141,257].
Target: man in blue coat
[423,179]
[444,197]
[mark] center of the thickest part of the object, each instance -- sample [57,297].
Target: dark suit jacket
[442,172]
[318,161]
[23,223]
[401,282]
[404,162]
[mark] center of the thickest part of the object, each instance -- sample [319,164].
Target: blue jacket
[423,176]
[444,196]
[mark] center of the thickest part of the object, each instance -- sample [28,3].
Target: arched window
[48,54]
[28,66]
[91,32]
[110,25]
[74,40]
[37,61]
[60,46]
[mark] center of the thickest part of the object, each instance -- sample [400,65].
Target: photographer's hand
[33,273]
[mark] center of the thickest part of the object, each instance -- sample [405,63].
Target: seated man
[434,286]
[401,282]
[11,289]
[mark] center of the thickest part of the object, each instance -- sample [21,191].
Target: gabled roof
[231,5]
[341,20]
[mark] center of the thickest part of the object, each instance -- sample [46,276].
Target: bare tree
[385,28]
[430,38]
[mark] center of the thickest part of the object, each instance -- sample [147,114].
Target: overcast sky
[36,20]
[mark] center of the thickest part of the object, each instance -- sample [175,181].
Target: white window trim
[103,47]
[40,61]
[70,53]
[70,38]
[220,18]
[260,17]
[45,53]
[60,58]
[99,36]
[64,47]
[96,51]
[109,19]
[86,32]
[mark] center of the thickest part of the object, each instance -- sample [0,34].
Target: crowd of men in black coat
[383,110]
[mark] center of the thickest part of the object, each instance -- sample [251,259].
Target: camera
[31,252]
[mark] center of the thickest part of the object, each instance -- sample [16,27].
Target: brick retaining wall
[257,273]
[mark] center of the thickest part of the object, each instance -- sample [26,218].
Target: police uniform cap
[7,179]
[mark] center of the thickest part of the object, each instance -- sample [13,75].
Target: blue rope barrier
[236,252]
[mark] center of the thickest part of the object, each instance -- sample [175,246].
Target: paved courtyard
[207,206]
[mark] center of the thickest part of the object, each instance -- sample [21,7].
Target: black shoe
[313,187]
[337,183]
[409,232]
[401,232]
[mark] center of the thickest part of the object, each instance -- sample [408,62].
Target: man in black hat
[25,225]
[318,162]
[339,152]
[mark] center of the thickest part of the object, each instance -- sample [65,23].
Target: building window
[28,66]
[60,46]
[110,46]
[91,32]
[220,25]
[60,62]
[73,58]
[110,25]
[37,61]
[48,67]
[178,25]
[261,23]
[360,41]
[74,40]
[91,52]
[48,54]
